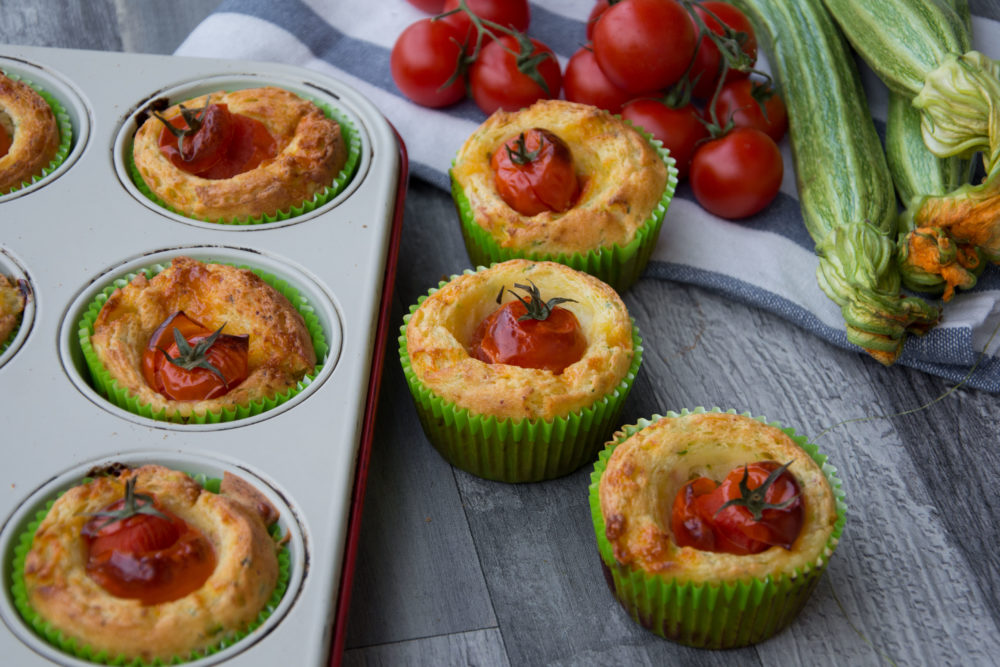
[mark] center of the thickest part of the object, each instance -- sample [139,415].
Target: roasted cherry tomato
[644,45]
[535,334]
[215,143]
[584,82]
[514,14]
[707,65]
[424,59]
[754,521]
[752,104]
[227,355]
[498,82]
[737,174]
[533,172]
[137,554]
[680,129]
[5,141]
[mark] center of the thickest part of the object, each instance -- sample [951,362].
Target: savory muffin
[257,332]
[29,134]
[562,181]
[233,156]
[711,499]
[12,302]
[149,565]
[521,343]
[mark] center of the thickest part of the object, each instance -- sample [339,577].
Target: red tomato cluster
[434,60]
[646,60]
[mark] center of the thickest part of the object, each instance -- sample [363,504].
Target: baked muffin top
[31,125]
[234,522]
[647,469]
[621,180]
[309,152]
[217,296]
[440,332]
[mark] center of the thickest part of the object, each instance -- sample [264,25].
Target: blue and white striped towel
[352,42]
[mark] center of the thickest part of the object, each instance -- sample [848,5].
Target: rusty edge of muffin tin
[82,225]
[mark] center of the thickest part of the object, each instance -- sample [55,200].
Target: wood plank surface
[455,570]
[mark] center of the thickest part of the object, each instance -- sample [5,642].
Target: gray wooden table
[456,570]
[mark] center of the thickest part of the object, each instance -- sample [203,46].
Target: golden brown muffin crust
[621,176]
[645,472]
[439,332]
[310,153]
[281,350]
[61,591]
[29,120]
[12,302]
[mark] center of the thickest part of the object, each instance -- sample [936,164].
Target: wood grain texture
[455,570]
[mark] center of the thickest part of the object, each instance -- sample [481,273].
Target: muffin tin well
[85,226]
[12,269]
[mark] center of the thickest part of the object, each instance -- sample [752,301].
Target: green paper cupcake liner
[110,389]
[618,265]
[64,124]
[351,136]
[508,450]
[712,615]
[67,645]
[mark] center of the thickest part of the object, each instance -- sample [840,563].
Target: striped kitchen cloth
[351,42]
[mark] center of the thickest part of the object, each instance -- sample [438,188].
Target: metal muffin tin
[73,232]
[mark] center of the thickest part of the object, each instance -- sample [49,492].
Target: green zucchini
[845,189]
[920,49]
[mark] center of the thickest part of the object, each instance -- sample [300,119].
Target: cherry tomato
[228,355]
[644,45]
[584,82]
[551,344]
[5,141]
[429,6]
[226,144]
[707,60]
[151,558]
[497,83]
[533,172]
[423,60]
[698,521]
[737,174]
[514,14]
[736,100]
[600,7]
[680,129]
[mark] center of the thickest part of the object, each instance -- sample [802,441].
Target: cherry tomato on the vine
[429,6]
[698,520]
[644,45]
[708,61]
[549,344]
[423,60]
[737,174]
[737,101]
[514,14]
[497,83]
[680,129]
[534,172]
[599,8]
[584,82]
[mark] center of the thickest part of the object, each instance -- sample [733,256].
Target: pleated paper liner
[351,137]
[508,450]
[65,132]
[70,646]
[618,265]
[123,398]
[722,615]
